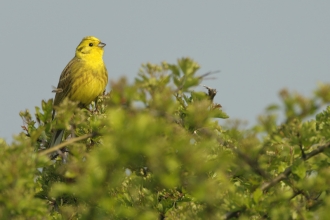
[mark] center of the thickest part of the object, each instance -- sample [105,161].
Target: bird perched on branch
[83,79]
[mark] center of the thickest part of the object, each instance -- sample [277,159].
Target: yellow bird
[83,79]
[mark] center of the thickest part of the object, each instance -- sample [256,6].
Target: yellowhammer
[83,79]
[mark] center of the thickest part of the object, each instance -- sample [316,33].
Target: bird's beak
[101,44]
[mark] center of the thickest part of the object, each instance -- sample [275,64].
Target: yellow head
[90,47]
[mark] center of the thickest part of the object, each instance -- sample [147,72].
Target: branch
[288,170]
[281,177]
[65,143]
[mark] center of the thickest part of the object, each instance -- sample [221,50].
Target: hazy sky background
[259,47]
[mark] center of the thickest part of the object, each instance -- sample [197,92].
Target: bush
[156,149]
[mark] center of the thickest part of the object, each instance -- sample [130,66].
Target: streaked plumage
[83,79]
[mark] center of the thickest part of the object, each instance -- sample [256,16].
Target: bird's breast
[89,83]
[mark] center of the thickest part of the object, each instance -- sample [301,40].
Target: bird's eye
[90,44]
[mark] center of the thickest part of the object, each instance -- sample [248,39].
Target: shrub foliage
[161,149]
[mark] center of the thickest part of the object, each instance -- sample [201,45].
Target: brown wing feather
[64,82]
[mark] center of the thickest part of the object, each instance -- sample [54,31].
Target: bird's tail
[57,138]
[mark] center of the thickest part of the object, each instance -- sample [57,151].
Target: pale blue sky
[259,47]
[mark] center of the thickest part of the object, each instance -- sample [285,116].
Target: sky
[259,47]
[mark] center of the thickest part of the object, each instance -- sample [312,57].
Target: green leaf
[299,169]
[257,194]
[175,70]
[218,113]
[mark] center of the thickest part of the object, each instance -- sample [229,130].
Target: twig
[208,73]
[63,144]
[277,179]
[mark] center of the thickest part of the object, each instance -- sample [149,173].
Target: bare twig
[65,143]
[208,73]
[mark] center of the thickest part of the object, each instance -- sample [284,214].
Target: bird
[83,79]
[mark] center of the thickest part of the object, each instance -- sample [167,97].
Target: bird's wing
[64,83]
